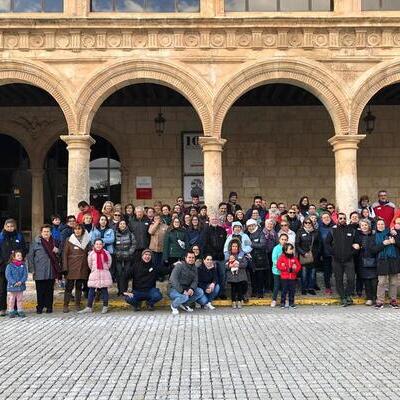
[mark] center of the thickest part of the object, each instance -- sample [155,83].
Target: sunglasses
[284,224]
[307,223]
[117,215]
[342,219]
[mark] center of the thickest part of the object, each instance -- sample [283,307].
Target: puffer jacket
[172,248]
[140,229]
[125,245]
[259,252]
[304,240]
[14,274]
[289,267]
[99,278]
[107,236]
[75,257]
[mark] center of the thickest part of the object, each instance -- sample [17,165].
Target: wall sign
[144,188]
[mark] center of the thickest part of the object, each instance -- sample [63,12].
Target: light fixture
[369,121]
[159,121]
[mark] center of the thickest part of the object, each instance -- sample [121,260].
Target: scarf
[48,246]
[388,251]
[308,230]
[101,256]
[17,263]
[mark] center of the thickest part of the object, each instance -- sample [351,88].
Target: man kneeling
[183,284]
[144,283]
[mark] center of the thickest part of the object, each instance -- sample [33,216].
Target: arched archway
[116,76]
[309,75]
[15,182]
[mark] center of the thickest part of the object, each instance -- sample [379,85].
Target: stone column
[78,169]
[124,185]
[37,200]
[212,151]
[345,149]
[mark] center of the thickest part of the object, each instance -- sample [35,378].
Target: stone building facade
[212,57]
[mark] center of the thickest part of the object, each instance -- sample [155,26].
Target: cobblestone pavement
[253,353]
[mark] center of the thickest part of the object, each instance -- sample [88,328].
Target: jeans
[15,297]
[260,282]
[370,288]
[339,269]
[92,295]
[179,299]
[308,276]
[221,271]
[288,287]
[152,296]
[327,267]
[277,286]
[209,297]
[123,271]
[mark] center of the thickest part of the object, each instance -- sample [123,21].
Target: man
[183,285]
[286,230]
[341,243]
[293,221]
[323,202]
[324,228]
[84,209]
[151,212]
[139,226]
[282,208]
[383,208]
[214,240]
[10,240]
[232,205]
[180,202]
[195,204]
[257,204]
[222,212]
[144,276]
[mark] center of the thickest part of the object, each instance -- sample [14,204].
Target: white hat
[251,221]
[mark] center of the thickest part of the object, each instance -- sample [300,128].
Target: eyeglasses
[291,212]
[307,223]
[342,219]
[117,215]
[284,224]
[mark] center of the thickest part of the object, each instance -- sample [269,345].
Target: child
[276,253]
[99,261]
[16,275]
[289,266]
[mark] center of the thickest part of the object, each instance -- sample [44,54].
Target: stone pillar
[212,151]
[78,169]
[345,149]
[37,200]
[124,185]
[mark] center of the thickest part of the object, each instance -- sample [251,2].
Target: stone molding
[117,75]
[348,142]
[212,37]
[212,144]
[310,75]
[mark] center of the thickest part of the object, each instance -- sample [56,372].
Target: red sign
[144,193]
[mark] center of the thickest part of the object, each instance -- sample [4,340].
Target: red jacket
[385,211]
[93,212]
[289,267]
[396,215]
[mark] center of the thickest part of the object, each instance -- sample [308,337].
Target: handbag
[306,259]
[369,262]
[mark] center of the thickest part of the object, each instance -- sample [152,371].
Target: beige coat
[157,234]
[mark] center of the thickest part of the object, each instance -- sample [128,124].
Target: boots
[78,296]
[67,298]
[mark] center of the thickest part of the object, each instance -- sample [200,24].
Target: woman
[228,223]
[271,239]
[108,209]
[75,265]
[129,212]
[124,249]
[88,225]
[387,268]
[236,264]
[174,243]
[365,214]
[166,214]
[197,253]
[307,247]
[187,219]
[304,205]
[157,231]
[367,260]
[364,203]
[239,216]
[203,217]
[195,232]
[105,233]
[207,280]
[44,264]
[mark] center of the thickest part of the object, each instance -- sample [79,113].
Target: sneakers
[273,303]
[239,304]
[209,306]
[174,310]
[234,304]
[379,306]
[150,307]
[185,308]
[394,304]
[86,310]
[312,292]
[282,305]
[104,310]
[344,303]
[368,303]
[3,313]
[328,291]
[292,306]
[12,314]
[349,301]
[21,314]
[197,306]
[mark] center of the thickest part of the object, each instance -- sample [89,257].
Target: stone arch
[367,85]
[115,76]
[309,75]
[40,75]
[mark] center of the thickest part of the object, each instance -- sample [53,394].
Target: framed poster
[193,185]
[193,162]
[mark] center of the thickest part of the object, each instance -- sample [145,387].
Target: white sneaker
[186,308]
[209,306]
[273,303]
[175,311]
[86,310]
[104,310]
[368,303]
[234,304]
[197,305]
[239,304]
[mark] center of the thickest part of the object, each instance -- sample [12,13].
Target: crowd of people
[266,248]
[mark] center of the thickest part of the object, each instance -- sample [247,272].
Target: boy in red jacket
[289,266]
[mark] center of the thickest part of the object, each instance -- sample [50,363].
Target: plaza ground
[254,353]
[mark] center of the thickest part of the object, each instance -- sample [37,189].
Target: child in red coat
[289,266]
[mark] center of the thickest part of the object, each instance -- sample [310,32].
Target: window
[145,5]
[31,6]
[279,5]
[385,5]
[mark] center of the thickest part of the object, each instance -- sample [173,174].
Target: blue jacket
[16,274]
[56,233]
[276,253]
[323,233]
[108,238]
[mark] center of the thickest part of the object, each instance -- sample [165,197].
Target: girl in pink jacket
[99,261]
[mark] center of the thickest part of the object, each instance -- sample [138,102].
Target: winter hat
[232,194]
[251,221]
[146,251]
[236,223]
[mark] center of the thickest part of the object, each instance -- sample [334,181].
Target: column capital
[211,143]
[78,141]
[342,142]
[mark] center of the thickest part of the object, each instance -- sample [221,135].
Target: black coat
[140,229]
[259,253]
[387,266]
[206,276]
[339,242]
[144,276]
[9,242]
[304,241]
[214,241]
[367,255]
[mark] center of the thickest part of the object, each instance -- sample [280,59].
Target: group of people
[265,248]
